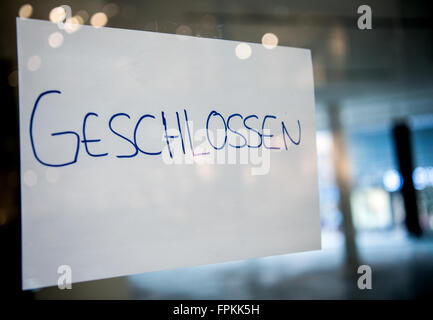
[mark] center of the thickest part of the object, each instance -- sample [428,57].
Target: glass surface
[366,81]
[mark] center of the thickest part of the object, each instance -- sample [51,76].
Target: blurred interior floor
[401,266]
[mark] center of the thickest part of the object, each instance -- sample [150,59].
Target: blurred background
[374,111]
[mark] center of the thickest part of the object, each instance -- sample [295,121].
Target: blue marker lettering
[249,128]
[86,141]
[285,132]
[123,137]
[211,114]
[135,135]
[236,132]
[267,135]
[190,139]
[53,134]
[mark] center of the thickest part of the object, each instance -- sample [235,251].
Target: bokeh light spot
[25,11]
[34,63]
[269,40]
[111,9]
[13,78]
[30,178]
[184,30]
[55,40]
[57,14]
[243,51]
[83,15]
[392,180]
[99,19]
[73,24]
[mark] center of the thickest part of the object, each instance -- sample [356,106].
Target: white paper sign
[145,151]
